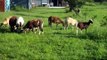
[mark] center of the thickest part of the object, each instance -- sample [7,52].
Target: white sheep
[70,21]
[19,22]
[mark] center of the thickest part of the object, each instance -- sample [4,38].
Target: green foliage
[104,21]
[18,8]
[76,3]
[89,0]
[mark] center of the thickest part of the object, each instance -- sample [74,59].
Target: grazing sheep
[70,21]
[16,23]
[56,20]
[84,25]
[20,23]
[6,21]
[12,23]
[34,24]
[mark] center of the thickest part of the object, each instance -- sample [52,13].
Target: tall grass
[55,44]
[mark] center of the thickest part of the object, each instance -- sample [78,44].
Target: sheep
[70,21]
[6,21]
[19,23]
[12,23]
[16,23]
[56,20]
[84,25]
[34,24]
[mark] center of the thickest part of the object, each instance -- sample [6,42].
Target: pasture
[56,44]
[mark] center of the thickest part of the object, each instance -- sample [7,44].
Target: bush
[89,4]
[104,21]
[19,8]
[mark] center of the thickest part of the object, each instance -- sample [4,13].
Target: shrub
[104,21]
[19,8]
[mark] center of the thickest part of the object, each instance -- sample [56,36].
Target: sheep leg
[21,28]
[11,29]
[81,31]
[50,24]
[32,30]
[56,26]
[40,30]
[67,26]
[72,27]
[86,31]
[25,32]
[35,30]
[77,31]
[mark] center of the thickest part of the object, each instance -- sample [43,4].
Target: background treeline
[79,3]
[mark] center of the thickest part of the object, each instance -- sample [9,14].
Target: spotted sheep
[34,24]
[15,23]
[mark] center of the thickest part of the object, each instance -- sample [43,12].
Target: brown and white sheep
[34,24]
[56,20]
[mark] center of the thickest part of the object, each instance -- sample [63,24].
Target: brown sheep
[56,20]
[31,25]
[12,23]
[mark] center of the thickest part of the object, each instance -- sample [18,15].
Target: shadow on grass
[4,29]
[52,12]
[89,35]
[93,36]
[7,30]
[58,33]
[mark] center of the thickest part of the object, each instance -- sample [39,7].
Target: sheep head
[90,21]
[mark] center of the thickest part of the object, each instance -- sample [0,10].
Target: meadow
[56,44]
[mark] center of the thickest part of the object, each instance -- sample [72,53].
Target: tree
[99,1]
[74,3]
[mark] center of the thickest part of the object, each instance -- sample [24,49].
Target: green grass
[55,44]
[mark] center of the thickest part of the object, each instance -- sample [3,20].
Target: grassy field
[56,44]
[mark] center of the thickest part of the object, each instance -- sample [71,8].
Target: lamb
[70,21]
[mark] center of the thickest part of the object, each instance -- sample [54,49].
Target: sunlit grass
[55,44]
